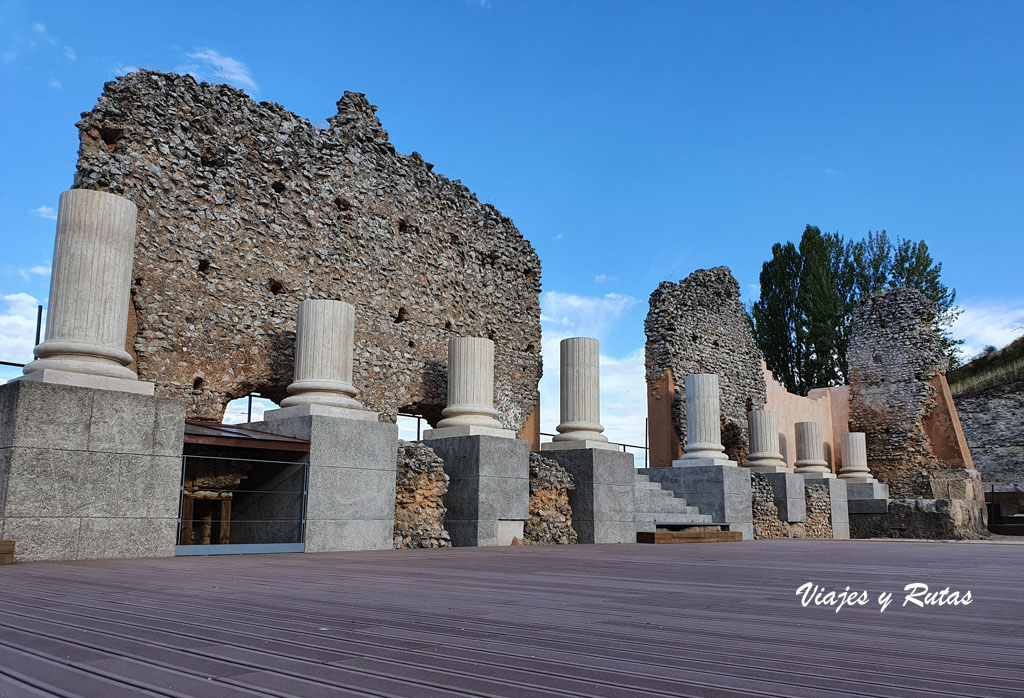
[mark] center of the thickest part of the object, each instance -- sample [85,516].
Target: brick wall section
[699,326]
[245,209]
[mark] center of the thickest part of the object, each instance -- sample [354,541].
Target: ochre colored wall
[664,445]
[830,407]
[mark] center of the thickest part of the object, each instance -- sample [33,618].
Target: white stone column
[579,397]
[764,456]
[855,458]
[810,451]
[324,338]
[470,410]
[703,420]
[87,316]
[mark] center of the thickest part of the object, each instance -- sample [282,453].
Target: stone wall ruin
[550,521]
[420,486]
[699,326]
[245,209]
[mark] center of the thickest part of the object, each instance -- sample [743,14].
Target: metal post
[417,429]
[647,446]
[248,416]
[39,324]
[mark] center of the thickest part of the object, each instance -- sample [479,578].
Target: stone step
[681,517]
[670,505]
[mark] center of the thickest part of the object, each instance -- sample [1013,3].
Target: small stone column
[810,451]
[324,338]
[703,420]
[764,456]
[87,316]
[579,378]
[855,458]
[470,410]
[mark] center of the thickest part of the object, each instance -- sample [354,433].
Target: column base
[88,380]
[321,411]
[570,445]
[472,430]
[788,494]
[722,492]
[701,462]
[603,502]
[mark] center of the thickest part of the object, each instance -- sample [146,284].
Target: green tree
[801,320]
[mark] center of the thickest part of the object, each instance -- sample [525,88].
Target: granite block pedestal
[603,503]
[88,473]
[723,491]
[488,497]
[350,503]
[788,494]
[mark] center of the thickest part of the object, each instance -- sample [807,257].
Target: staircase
[662,517]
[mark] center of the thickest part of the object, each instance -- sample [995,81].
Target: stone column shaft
[580,400]
[810,449]
[470,384]
[87,316]
[764,442]
[324,338]
[703,420]
[855,458]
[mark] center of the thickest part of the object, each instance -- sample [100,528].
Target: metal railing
[39,332]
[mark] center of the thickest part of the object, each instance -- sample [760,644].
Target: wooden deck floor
[628,620]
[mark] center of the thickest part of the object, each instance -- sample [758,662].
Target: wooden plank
[688,535]
[225,521]
[6,552]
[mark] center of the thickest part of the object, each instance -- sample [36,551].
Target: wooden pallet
[6,552]
[688,535]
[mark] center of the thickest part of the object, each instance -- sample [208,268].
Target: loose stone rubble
[819,512]
[245,209]
[421,484]
[766,514]
[550,521]
[699,326]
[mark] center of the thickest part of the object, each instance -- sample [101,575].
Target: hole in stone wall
[276,287]
[278,187]
[204,264]
[491,335]
[403,225]
[448,324]
[110,134]
[342,204]
[411,344]
[529,347]
[402,315]
[138,280]
[197,384]
[694,338]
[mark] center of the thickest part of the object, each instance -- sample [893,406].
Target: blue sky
[630,142]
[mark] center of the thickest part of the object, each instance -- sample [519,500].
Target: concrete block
[600,532]
[321,410]
[508,530]
[468,430]
[866,490]
[168,427]
[120,537]
[45,483]
[604,501]
[504,498]
[840,508]
[346,493]
[43,415]
[601,466]
[723,492]
[483,456]
[90,382]
[788,494]
[331,535]
[5,471]
[340,443]
[868,506]
[44,538]
[121,423]
[576,445]
[612,503]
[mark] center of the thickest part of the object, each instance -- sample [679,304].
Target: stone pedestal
[788,494]
[603,503]
[724,493]
[87,315]
[579,397]
[88,473]
[470,408]
[350,503]
[765,456]
[488,497]
[867,497]
[855,459]
[810,451]
[838,504]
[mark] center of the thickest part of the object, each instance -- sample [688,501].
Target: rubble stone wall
[421,484]
[899,396]
[550,521]
[699,326]
[766,514]
[993,422]
[819,512]
[246,209]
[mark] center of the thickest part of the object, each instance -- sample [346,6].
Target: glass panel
[229,501]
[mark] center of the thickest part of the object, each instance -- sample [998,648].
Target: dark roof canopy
[213,434]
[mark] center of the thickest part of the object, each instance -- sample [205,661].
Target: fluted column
[855,458]
[810,450]
[703,420]
[324,337]
[470,384]
[579,378]
[87,317]
[764,453]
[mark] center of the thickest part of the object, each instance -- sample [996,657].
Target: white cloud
[623,386]
[38,270]
[45,212]
[18,327]
[224,67]
[558,237]
[601,278]
[70,54]
[55,84]
[39,28]
[984,323]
